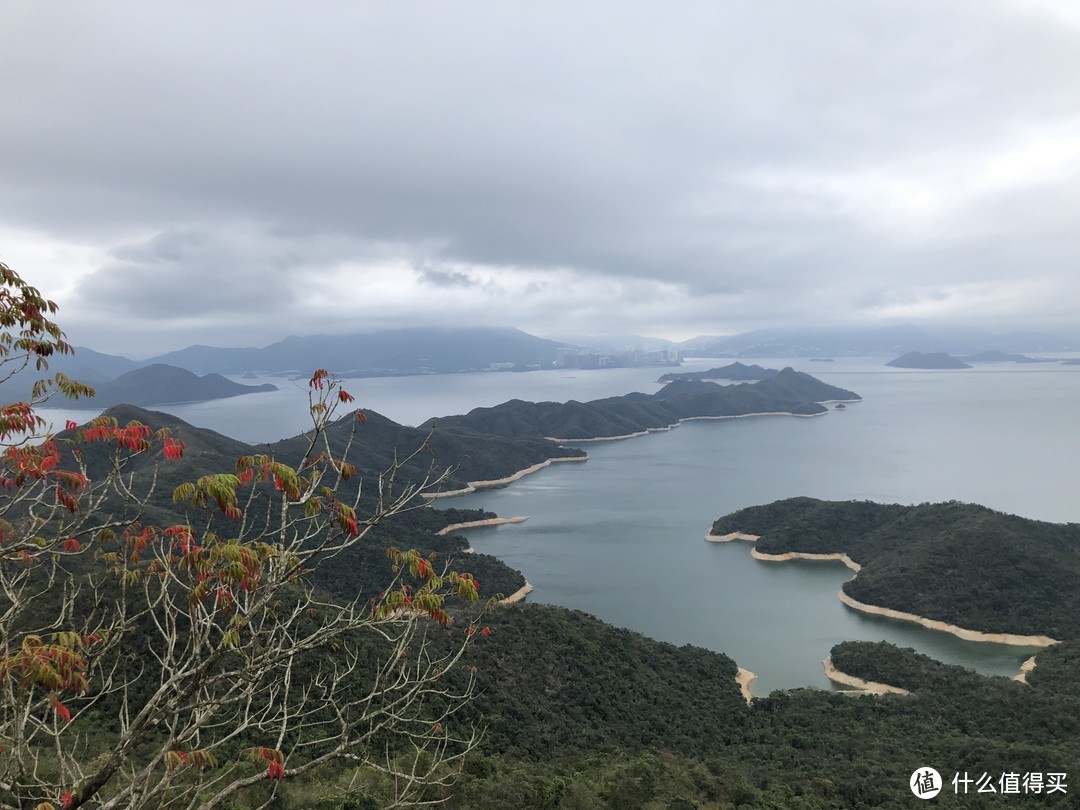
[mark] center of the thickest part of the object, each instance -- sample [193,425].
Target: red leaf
[62,711]
[173,449]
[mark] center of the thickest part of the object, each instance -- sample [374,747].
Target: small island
[932,360]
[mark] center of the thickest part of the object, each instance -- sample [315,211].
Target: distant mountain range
[427,350]
[397,351]
[871,340]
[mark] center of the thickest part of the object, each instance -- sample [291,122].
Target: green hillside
[959,563]
[580,714]
[788,391]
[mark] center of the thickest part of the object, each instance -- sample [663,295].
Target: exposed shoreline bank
[744,677]
[1025,670]
[499,482]
[517,595]
[790,555]
[1009,639]
[474,524]
[647,431]
[861,686]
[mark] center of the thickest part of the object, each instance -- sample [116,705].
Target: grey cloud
[727,149]
[192,274]
[443,277]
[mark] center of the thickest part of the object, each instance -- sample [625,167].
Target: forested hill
[959,563]
[732,371]
[788,391]
[377,441]
[581,714]
[162,384]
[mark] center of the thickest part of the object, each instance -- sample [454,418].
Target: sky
[234,172]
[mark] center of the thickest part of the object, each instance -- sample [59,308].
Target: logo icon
[925,783]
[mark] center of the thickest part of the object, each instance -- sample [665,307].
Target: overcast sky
[234,172]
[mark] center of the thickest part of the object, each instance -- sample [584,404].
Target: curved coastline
[860,686]
[790,555]
[1009,639]
[498,482]
[473,524]
[517,595]
[647,431]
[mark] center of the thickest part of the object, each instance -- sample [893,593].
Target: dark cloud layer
[702,167]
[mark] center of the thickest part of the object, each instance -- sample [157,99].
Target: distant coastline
[693,419]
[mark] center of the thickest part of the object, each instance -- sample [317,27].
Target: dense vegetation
[379,443]
[732,371]
[160,383]
[959,563]
[786,392]
[579,714]
[798,749]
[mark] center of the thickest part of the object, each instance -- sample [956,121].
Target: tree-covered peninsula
[787,392]
[963,564]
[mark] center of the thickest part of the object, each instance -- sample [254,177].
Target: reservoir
[621,536]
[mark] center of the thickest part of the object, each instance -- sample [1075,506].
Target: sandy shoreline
[647,431]
[790,555]
[498,482]
[517,595]
[860,685]
[727,538]
[606,438]
[473,524]
[805,555]
[1010,639]
[1025,669]
[744,677]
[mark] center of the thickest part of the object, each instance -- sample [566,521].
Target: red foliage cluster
[18,418]
[54,666]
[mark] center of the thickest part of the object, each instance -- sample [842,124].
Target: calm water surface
[621,536]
